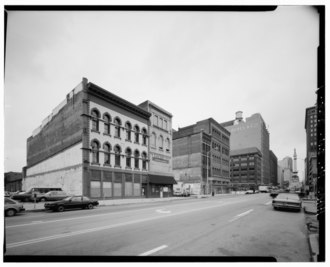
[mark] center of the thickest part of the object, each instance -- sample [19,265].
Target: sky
[196,65]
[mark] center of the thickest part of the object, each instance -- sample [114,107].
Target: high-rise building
[311,148]
[273,168]
[251,132]
[201,157]
[286,166]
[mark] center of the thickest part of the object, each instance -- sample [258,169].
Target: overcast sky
[195,65]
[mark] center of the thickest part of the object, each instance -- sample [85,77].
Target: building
[286,167]
[294,181]
[251,132]
[13,181]
[245,168]
[201,157]
[94,143]
[273,168]
[311,148]
[160,150]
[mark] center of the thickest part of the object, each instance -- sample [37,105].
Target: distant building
[311,148]
[201,157]
[273,168]
[286,165]
[245,168]
[13,181]
[94,143]
[251,133]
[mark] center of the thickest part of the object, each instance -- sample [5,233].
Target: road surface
[237,225]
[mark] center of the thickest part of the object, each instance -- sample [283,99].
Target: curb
[313,241]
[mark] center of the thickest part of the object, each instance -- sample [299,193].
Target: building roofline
[247,150]
[149,103]
[116,100]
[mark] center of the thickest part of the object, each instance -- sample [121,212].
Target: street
[235,225]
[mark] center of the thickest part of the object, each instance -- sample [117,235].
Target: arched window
[144,136]
[117,127]
[95,151]
[107,149]
[136,159]
[167,144]
[107,120]
[136,134]
[128,157]
[128,127]
[144,160]
[161,142]
[153,140]
[95,119]
[117,150]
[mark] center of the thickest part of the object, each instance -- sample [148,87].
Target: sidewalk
[312,223]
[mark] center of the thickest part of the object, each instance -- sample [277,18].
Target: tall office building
[251,132]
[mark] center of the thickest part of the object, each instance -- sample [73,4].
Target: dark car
[287,201]
[12,207]
[52,196]
[73,202]
[274,193]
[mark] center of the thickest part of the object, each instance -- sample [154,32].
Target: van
[34,192]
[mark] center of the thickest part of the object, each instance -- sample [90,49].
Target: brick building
[160,149]
[13,181]
[201,157]
[245,168]
[251,132]
[94,143]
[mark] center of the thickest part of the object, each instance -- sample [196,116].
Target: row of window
[160,142]
[160,122]
[95,150]
[95,117]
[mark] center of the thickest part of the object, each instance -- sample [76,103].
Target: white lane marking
[240,215]
[269,202]
[42,239]
[163,211]
[153,250]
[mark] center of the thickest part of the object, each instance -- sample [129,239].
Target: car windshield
[67,198]
[288,196]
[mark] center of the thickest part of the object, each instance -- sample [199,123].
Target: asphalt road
[242,225]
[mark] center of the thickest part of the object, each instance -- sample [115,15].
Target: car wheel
[90,206]
[60,208]
[10,212]
[275,208]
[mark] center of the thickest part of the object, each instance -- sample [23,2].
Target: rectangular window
[117,186]
[128,189]
[95,189]
[107,189]
[155,120]
[160,123]
[165,125]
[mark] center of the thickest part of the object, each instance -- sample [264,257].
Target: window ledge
[95,131]
[107,165]
[117,166]
[95,163]
[106,134]
[116,137]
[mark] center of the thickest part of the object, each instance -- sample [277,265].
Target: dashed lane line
[240,215]
[147,253]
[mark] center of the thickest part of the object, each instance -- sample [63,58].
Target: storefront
[158,186]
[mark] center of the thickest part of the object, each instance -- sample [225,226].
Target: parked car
[12,207]
[274,193]
[52,196]
[72,202]
[249,192]
[35,191]
[287,201]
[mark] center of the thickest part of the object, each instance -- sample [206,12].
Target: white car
[249,192]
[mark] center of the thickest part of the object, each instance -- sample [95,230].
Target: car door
[76,202]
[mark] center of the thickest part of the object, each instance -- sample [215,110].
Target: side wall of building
[62,131]
[63,170]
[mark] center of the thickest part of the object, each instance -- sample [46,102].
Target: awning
[161,179]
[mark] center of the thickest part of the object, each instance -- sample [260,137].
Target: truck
[263,189]
[181,189]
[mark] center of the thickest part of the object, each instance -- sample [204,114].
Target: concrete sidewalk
[312,223]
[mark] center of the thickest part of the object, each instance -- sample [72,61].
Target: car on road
[249,192]
[287,201]
[32,192]
[12,207]
[274,193]
[72,202]
[52,196]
